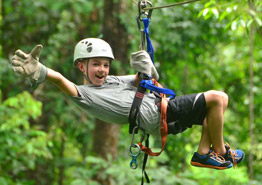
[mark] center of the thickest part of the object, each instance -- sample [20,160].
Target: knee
[225,98]
[216,98]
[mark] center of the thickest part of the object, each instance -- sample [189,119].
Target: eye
[95,64]
[106,65]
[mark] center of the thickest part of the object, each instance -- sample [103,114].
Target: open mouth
[99,77]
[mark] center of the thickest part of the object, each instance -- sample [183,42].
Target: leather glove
[141,62]
[28,65]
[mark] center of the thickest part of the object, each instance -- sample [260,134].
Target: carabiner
[141,5]
[133,163]
[141,15]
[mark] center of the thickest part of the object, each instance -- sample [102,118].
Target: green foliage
[21,143]
[207,176]
[240,13]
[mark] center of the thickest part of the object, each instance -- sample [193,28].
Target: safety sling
[160,92]
[133,127]
[134,112]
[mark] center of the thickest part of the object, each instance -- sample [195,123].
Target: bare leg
[205,142]
[225,101]
[212,132]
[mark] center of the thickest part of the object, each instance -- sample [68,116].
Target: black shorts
[185,111]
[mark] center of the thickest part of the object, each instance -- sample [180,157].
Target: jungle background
[46,139]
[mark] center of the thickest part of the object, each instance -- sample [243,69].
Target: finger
[155,73]
[140,55]
[36,51]
[138,52]
[13,58]
[19,70]
[16,62]
[21,54]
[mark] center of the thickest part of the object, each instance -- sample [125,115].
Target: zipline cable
[170,5]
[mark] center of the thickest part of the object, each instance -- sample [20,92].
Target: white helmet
[92,47]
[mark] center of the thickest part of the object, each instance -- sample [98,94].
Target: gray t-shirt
[112,102]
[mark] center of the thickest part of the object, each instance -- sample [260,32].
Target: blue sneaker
[234,156]
[210,160]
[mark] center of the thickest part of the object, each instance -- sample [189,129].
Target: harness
[146,84]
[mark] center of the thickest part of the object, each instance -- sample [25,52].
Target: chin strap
[86,76]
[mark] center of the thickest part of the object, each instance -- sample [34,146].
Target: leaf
[3,181]
[249,23]
[258,20]
[234,25]
[205,12]
[208,4]
[95,160]
[200,13]
[34,133]
[223,15]
[50,144]
[252,12]
[29,148]
[215,12]
[243,23]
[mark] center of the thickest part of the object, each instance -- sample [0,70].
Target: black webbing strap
[134,112]
[144,163]
[135,109]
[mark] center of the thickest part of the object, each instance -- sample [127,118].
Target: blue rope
[148,84]
[150,48]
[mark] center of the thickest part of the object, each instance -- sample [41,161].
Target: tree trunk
[105,136]
[114,31]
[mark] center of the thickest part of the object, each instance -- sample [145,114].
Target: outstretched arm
[29,66]
[61,82]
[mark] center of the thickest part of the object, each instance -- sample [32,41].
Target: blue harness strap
[148,84]
[150,48]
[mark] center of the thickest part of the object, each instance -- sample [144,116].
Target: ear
[81,66]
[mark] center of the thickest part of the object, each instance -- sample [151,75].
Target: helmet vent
[89,47]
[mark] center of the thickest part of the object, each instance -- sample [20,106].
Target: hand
[28,64]
[141,62]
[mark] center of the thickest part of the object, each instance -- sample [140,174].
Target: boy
[109,98]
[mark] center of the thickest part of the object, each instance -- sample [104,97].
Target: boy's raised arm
[28,65]
[63,83]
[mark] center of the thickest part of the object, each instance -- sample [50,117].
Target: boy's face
[98,69]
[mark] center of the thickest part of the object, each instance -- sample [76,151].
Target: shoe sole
[210,166]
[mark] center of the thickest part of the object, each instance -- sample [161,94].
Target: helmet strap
[86,76]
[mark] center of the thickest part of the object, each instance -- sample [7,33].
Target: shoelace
[232,153]
[217,156]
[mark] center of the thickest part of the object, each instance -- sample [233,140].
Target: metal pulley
[143,14]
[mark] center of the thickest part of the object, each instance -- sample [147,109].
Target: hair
[82,60]
[86,59]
